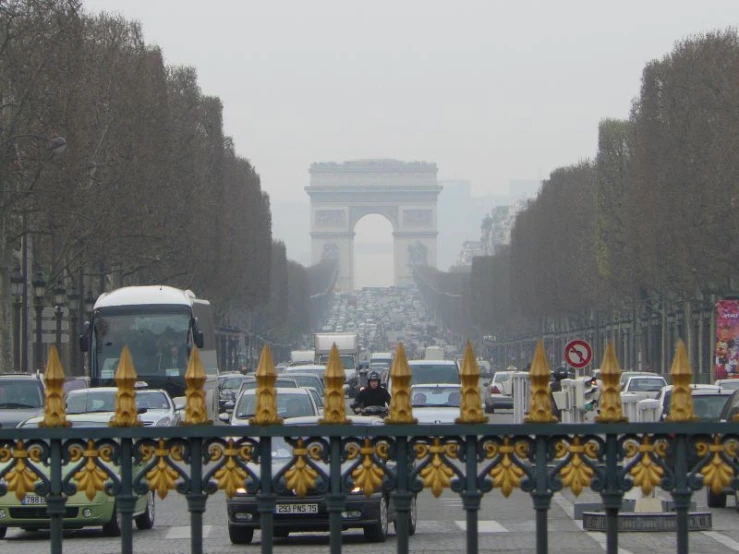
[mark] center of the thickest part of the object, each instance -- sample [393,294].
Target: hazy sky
[490,91]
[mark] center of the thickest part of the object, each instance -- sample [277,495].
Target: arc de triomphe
[343,193]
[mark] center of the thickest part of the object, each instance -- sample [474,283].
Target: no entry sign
[578,353]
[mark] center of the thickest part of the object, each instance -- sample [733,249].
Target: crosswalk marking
[183,532]
[485,526]
[728,542]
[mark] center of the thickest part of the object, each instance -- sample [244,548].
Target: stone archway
[404,193]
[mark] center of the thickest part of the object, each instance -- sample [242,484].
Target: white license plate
[31,499]
[297,509]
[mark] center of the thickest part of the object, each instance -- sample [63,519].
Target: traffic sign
[578,353]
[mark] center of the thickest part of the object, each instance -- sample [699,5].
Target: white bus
[160,325]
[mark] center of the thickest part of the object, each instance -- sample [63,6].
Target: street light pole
[59,301]
[16,289]
[74,298]
[39,290]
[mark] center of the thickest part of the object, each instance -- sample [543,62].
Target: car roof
[281,390]
[699,389]
[290,374]
[299,368]
[432,362]
[23,376]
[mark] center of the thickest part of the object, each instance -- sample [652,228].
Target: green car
[30,513]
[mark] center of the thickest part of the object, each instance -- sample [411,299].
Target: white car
[156,408]
[438,403]
[495,396]
[646,386]
[708,401]
[727,384]
[297,402]
[432,372]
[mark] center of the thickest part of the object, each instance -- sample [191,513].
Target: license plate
[31,499]
[297,509]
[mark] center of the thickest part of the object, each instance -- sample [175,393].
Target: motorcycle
[377,411]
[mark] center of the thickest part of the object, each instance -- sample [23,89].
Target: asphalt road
[506,525]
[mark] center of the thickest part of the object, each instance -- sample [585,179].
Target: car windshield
[152,400]
[730,384]
[91,401]
[21,394]
[435,397]
[427,373]
[232,382]
[502,376]
[705,406]
[158,342]
[304,381]
[288,405]
[646,385]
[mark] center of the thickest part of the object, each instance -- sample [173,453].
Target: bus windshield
[159,343]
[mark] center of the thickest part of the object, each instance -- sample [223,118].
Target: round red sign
[578,353]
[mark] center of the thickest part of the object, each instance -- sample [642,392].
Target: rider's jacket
[372,397]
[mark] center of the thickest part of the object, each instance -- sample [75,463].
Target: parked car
[495,397]
[436,403]
[372,514]
[30,513]
[292,402]
[21,397]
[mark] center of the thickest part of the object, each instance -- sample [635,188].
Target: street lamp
[39,291]
[89,302]
[16,289]
[60,298]
[74,299]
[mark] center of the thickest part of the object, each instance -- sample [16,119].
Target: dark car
[21,397]
[228,388]
[309,514]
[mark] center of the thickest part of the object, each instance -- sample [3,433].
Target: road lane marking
[728,542]
[183,532]
[488,526]
[569,509]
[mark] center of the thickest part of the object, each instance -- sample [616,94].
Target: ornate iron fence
[335,459]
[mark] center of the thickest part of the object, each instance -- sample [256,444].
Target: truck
[302,357]
[348,346]
[160,325]
[434,353]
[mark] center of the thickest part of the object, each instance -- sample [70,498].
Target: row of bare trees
[115,170]
[636,244]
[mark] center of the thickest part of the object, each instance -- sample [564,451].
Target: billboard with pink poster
[726,352]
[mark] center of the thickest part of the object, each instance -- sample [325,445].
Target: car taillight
[494,390]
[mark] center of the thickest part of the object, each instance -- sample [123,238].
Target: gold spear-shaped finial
[126,414]
[196,412]
[401,410]
[611,410]
[266,411]
[681,403]
[54,409]
[540,405]
[470,407]
[334,410]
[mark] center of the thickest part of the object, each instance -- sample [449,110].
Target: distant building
[470,249]
[496,227]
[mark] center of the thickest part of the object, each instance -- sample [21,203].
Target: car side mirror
[225,418]
[179,403]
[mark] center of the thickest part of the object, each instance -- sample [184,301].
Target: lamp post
[16,289]
[39,291]
[89,303]
[60,298]
[74,298]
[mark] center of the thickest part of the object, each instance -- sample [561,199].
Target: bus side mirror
[197,335]
[84,337]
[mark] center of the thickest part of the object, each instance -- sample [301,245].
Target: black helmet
[373,376]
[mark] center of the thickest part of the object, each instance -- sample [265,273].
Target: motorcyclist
[373,395]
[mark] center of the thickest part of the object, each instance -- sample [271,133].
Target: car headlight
[241,490]
[357,490]
[164,422]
